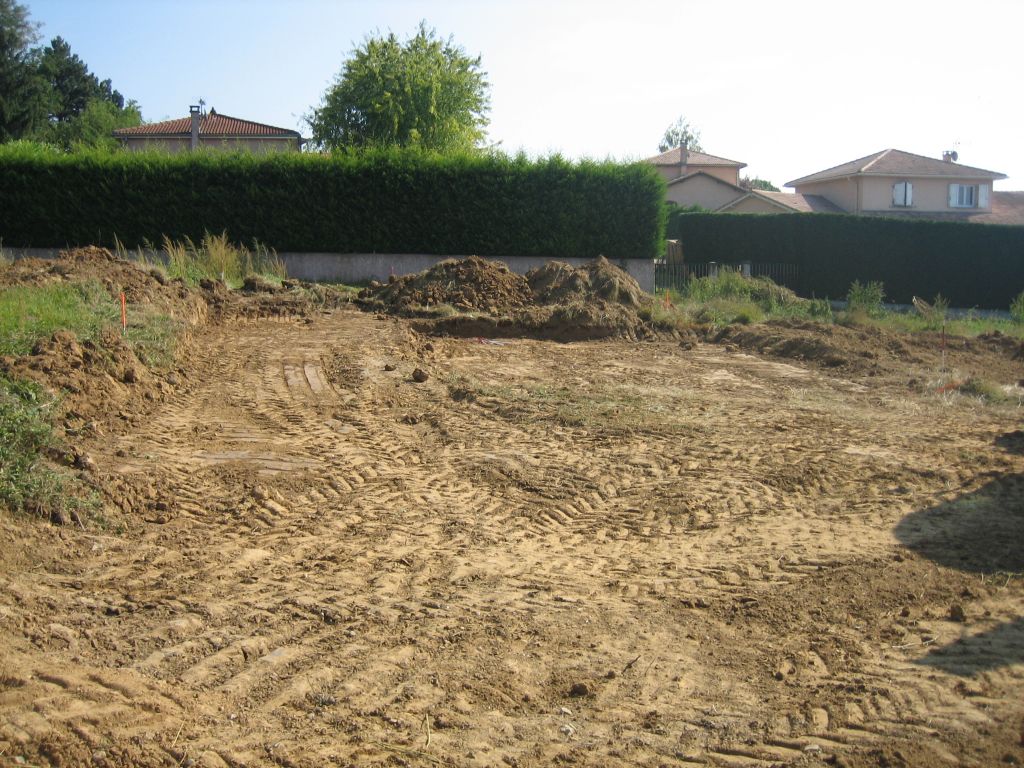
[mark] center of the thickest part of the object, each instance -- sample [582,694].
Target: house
[897,183]
[713,183]
[209,131]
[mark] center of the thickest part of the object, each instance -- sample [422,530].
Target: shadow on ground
[980,532]
[971,654]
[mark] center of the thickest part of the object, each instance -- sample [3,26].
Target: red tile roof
[895,162]
[671,157]
[211,124]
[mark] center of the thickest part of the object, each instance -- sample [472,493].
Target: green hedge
[371,202]
[973,265]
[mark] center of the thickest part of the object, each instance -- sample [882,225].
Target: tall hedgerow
[383,201]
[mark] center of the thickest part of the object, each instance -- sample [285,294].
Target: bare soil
[596,553]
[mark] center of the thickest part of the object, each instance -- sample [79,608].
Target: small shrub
[866,298]
[1017,308]
[820,309]
[983,389]
[26,484]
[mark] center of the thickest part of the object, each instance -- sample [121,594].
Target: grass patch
[608,409]
[732,298]
[217,258]
[153,337]
[31,312]
[27,483]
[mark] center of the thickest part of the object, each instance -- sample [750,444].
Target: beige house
[897,183]
[209,131]
[713,183]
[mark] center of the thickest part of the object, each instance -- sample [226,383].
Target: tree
[82,110]
[426,93]
[757,183]
[93,126]
[72,85]
[680,134]
[22,91]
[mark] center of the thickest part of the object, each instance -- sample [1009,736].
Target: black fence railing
[676,275]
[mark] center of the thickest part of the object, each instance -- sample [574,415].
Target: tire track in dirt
[349,555]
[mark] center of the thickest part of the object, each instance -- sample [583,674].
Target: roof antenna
[202,103]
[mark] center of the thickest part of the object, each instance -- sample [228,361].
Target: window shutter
[910,193]
[983,195]
[953,188]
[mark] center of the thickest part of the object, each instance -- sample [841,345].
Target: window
[902,194]
[963,196]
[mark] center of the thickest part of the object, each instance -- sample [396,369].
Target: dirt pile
[915,357]
[556,301]
[105,381]
[597,281]
[469,285]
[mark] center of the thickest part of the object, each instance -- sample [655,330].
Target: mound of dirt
[913,357]
[470,285]
[556,301]
[101,380]
[579,321]
[599,280]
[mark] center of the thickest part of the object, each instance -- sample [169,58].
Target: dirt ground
[594,553]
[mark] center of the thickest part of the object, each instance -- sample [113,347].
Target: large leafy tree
[680,134]
[49,94]
[22,91]
[81,109]
[758,183]
[426,92]
[72,85]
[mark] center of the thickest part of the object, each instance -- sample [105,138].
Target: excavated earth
[531,553]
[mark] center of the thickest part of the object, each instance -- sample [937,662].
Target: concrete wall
[757,205]
[930,195]
[703,191]
[669,172]
[728,173]
[362,267]
[139,144]
[841,192]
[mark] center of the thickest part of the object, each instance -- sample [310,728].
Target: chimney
[195,113]
[684,158]
[950,156]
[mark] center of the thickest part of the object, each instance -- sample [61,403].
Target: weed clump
[1017,309]
[217,258]
[865,299]
[26,433]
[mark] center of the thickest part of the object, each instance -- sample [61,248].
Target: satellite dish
[954,155]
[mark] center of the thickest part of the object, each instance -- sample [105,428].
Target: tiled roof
[211,124]
[802,203]
[1007,208]
[895,162]
[692,158]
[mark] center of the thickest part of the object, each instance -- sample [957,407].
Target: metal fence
[676,275]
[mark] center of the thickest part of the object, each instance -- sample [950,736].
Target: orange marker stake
[124,315]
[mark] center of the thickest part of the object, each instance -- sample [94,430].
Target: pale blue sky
[787,87]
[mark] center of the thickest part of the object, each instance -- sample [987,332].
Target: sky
[788,87]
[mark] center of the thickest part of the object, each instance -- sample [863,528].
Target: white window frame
[963,195]
[903,194]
